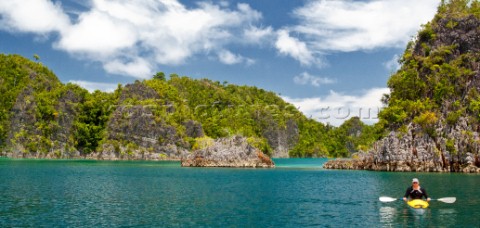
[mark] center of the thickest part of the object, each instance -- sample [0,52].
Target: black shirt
[416,194]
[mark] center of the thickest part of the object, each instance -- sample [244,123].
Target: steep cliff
[433,110]
[151,119]
[37,111]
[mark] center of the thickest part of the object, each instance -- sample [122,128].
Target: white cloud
[336,107]
[293,47]
[138,68]
[229,58]
[346,25]
[92,86]
[306,78]
[165,32]
[97,34]
[258,35]
[133,37]
[392,65]
[35,16]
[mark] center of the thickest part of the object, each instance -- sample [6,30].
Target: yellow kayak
[417,203]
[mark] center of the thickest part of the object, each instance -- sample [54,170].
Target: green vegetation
[93,115]
[19,75]
[436,83]
[40,114]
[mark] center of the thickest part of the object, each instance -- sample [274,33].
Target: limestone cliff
[432,114]
[416,151]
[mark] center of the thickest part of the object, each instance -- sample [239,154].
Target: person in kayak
[415,191]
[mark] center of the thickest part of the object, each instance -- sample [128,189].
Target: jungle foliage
[32,93]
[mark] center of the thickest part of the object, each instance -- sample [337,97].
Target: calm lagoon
[297,193]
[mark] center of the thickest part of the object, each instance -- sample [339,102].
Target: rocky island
[162,118]
[154,119]
[228,152]
[432,115]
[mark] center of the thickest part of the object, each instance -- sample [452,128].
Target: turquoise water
[298,193]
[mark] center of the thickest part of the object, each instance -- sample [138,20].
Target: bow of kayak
[417,203]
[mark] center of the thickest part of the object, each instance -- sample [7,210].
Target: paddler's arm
[407,193]
[425,194]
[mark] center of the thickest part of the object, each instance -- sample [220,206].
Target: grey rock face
[228,152]
[452,150]
[135,134]
[23,126]
[281,139]
[138,91]
[194,129]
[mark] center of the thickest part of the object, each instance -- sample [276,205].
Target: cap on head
[415,180]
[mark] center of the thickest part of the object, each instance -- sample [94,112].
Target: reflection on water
[404,216]
[387,215]
[418,211]
[448,212]
[448,216]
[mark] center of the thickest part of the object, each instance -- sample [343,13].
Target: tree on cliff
[439,70]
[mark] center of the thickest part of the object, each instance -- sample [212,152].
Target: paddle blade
[448,199]
[386,199]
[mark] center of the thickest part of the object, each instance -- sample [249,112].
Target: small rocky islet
[228,152]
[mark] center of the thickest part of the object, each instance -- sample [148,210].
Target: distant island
[432,117]
[164,118]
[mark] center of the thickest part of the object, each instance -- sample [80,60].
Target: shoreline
[84,159]
[398,166]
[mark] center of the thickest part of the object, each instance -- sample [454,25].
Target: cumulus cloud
[118,33]
[36,16]
[306,78]
[98,35]
[347,25]
[92,86]
[133,37]
[293,47]
[335,108]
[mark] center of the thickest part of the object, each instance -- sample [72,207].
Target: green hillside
[43,117]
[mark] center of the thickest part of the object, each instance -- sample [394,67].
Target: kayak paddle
[447,199]
[387,199]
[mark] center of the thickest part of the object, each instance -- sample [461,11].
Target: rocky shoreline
[356,164]
[224,152]
[93,156]
[452,150]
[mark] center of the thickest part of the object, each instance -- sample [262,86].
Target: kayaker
[415,191]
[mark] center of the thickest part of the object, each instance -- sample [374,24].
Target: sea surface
[297,193]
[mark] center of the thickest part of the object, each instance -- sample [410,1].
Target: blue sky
[331,59]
